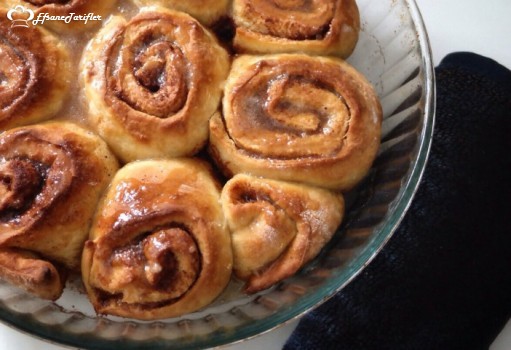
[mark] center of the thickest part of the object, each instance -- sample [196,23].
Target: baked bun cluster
[174,147]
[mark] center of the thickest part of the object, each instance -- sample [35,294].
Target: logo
[20,16]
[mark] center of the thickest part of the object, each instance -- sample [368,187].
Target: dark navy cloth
[444,279]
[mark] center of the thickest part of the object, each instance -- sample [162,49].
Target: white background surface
[479,26]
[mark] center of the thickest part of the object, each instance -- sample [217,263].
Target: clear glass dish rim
[402,202]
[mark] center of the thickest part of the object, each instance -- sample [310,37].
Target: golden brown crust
[63,8]
[316,27]
[51,176]
[206,11]
[297,118]
[277,227]
[159,246]
[27,270]
[153,83]
[34,74]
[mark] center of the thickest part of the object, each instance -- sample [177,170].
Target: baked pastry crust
[34,74]
[297,118]
[159,246]
[28,271]
[316,27]
[153,83]
[277,227]
[206,11]
[51,178]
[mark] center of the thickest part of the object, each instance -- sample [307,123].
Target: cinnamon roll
[206,11]
[297,118]
[34,74]
[153,83]
[277,227]
[316,27]
[74,15]
[51,177]
[159,246]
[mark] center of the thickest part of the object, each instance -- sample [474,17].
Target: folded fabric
[444,279]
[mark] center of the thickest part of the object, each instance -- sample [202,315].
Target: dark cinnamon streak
[25,179]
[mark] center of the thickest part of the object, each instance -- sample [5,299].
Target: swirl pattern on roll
[51,177]
[159,246]
[277,227]
[318,27]
[34,74]
[297,118]
[153,83]
[206,11]
[66,8]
